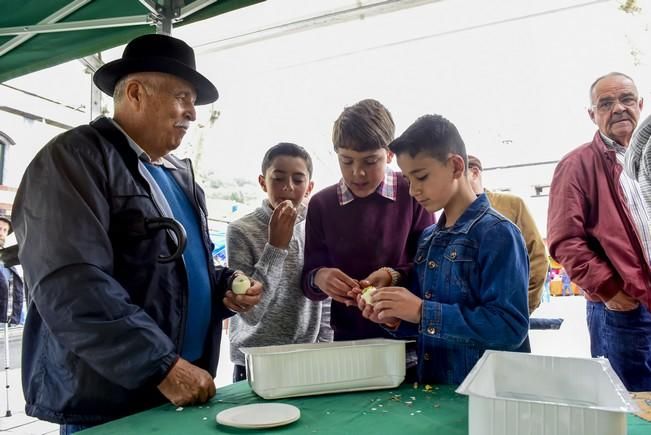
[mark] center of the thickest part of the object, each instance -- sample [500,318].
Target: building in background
[27,122]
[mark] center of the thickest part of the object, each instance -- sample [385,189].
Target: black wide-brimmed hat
[156,53]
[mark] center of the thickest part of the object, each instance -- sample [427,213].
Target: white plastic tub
[517,393]
[307,369]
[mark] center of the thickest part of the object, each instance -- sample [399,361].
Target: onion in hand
[240,284]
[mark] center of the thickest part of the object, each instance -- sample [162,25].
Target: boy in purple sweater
[365,227]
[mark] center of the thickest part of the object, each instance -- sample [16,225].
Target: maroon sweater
[359,238]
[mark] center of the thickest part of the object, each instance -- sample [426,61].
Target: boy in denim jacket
[471,272]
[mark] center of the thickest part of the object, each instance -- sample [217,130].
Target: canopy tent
[36,34]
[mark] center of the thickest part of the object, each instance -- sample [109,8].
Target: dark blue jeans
[69,429]
[544,323]
[625,339]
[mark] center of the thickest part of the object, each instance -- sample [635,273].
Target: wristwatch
[310,280]
[395,275]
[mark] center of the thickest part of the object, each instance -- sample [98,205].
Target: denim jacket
[473,279]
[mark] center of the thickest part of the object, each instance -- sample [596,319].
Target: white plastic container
[518,393]
[307,369]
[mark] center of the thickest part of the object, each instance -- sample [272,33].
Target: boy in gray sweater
[268,245]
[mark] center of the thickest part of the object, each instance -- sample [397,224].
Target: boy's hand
[336,284]
[369,312]
[243,302]
[379,278]
[397,302]
[281,225]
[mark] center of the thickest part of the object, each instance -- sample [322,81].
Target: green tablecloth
[404,410]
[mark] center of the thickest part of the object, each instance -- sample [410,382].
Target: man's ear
[390,156]
[458,166]
[134,92]
[591,113]
[310,186]
[262,182]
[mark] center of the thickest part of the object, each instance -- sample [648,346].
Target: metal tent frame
[162,14]
[39,34]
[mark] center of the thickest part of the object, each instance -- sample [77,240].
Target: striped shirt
[638,160]
[387,188]
[634,198]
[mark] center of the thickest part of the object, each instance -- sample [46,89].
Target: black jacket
[106,320]
[15,286]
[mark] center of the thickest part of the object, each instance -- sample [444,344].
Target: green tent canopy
[37,34]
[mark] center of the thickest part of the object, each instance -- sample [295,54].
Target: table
[403,410]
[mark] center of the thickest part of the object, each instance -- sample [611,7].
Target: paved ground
[570,340]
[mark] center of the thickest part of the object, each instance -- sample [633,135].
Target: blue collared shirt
[473,279]
[174,203]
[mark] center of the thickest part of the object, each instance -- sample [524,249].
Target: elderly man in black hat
[127,303]
[11,283]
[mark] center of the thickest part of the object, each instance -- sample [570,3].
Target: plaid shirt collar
[387,188]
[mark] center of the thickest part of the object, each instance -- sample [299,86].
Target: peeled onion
[367,293]
[241,284]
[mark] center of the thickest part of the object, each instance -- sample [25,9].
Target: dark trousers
[239,373]
[625,339]
[69,429]
[544,323]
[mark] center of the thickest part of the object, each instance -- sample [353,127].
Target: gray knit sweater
[284,315]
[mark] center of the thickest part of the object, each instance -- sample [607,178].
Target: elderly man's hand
[187,384]
[244,302]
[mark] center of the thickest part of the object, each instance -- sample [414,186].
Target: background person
[514,209]
[11,283]
[598,229]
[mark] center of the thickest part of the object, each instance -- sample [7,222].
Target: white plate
[259,415]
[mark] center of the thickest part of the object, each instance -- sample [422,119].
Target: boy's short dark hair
[433,135]
[364,126]
[286,149]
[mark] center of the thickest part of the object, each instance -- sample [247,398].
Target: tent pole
[168,11]
[8,414]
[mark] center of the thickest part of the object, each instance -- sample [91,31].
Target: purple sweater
[359,238]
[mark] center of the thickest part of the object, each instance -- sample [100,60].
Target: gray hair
[150,81]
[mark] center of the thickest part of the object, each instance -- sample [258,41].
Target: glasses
[607,104]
